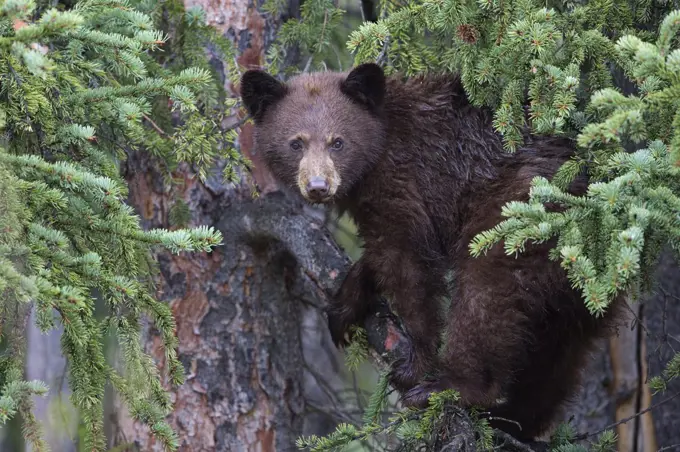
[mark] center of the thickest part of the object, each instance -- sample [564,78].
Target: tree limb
[280,220]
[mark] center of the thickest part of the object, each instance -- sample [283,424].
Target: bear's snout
[317,188]
[317,179]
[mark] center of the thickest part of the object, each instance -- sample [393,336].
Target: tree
[251,309]
[75,88]
[115,67]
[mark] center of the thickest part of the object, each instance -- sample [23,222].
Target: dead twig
[628,419]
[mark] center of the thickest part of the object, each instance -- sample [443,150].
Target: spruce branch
[70,78]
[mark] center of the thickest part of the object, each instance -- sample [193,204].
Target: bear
[421,171]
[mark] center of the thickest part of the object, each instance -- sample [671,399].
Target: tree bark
[246,314]
[261,369]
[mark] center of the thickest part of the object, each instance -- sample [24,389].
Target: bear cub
[421,171]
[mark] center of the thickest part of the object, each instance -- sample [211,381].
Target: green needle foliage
[413,427]
[610,239]
[80,89]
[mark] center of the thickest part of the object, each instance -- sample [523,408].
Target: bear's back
[446,149]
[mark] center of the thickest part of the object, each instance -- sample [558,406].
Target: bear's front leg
[413,289]
[351,303]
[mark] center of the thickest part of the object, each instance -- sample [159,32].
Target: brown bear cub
[421,171]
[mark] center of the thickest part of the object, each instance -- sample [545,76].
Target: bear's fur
[421,171]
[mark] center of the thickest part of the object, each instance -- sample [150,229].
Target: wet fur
[424,173]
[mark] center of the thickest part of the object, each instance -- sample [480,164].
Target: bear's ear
[366,85]
[259,91]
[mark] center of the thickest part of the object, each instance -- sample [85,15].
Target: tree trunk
[261,369]
[242,327]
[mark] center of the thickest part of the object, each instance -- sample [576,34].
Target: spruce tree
[80,88]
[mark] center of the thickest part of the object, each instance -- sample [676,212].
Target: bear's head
[319,132]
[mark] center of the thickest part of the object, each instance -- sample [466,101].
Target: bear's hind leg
[553,371]
[486,339]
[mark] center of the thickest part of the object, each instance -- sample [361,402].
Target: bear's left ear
[259,91]
[366,85]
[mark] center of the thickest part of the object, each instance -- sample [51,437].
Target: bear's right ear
[259,91]
[366,85]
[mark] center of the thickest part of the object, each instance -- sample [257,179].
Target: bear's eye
[337,144]
[296,145]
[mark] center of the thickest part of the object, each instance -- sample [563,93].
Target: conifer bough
[77,91]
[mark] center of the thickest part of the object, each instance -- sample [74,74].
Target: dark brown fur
[422,172]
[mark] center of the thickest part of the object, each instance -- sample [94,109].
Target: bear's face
[320,132]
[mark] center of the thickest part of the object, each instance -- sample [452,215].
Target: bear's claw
[419,395]
[339,323]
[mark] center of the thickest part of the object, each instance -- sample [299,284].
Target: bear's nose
[317,187]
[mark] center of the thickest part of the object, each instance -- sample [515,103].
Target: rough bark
[246,312]
[261,369]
